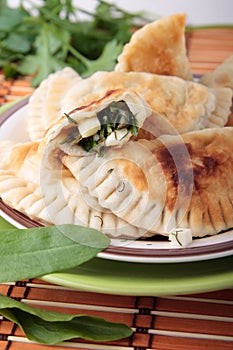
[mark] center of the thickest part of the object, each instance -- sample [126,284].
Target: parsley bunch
[51,36]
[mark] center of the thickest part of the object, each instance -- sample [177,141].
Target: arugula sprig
[53,37]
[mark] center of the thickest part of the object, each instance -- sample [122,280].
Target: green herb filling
[112,118]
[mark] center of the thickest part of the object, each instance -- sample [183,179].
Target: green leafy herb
[53,37]
[29,253]
[50,50]
[49,327]
[112,118]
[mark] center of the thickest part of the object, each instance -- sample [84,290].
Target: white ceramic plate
[12,125]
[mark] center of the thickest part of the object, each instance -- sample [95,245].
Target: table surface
[194,322]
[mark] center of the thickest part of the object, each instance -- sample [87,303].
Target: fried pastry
[159,185]
[44,106]
[159,48]
[185,105]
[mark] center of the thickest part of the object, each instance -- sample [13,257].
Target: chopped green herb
[88,143]
[115,117]
[71,120]
[101,151]
[176,236]
[99,217]
[122,188]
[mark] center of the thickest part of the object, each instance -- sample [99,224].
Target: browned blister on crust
[211,208]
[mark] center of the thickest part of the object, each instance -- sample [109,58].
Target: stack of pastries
[135,152]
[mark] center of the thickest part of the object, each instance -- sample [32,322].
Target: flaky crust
[158,47]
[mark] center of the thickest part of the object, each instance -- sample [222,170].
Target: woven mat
[189,322]
[192,322]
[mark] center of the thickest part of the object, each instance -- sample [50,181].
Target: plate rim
[170,254]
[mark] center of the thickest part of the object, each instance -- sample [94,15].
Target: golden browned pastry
[173,181]
[158,47]
[185,105]
[34,180]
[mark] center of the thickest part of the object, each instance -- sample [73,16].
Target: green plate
[127,278]
[124,278]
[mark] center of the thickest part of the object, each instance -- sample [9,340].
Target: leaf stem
[78,55]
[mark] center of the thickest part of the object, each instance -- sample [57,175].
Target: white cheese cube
[116,136]
[180,237]
[89,126]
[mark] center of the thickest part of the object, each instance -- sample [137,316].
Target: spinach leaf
[49,327]
[29,253]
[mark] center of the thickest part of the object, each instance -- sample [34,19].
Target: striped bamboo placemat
[12,90]
[189,322]
[195,322]
[208,48]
